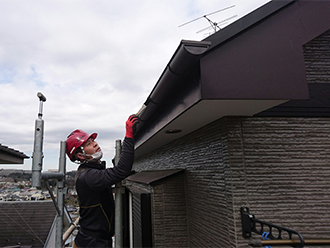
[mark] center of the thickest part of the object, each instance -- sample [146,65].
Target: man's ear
[80,156]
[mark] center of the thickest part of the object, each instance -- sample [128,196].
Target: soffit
[197,116]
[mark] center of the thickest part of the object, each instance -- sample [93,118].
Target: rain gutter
[185,57]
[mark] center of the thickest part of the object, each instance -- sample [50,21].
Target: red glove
[131,126]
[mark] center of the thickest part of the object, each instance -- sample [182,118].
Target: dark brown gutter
[185,57]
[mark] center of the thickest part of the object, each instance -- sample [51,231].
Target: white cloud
[95,61]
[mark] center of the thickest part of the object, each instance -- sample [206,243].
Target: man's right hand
[131,123]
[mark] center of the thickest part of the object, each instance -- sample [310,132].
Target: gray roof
[11,156]
[25,223]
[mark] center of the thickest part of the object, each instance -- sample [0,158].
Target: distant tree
[20,176]
[70,179]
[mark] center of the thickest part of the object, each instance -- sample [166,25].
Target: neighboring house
[240,119]
[29,224]
[26,223]
[11,156]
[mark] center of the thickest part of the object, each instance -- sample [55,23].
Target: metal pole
[60,176]
[130,206]
[37,154]
[118,151]
[60,198]
[118,204]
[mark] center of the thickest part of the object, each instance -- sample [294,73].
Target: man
[93,184]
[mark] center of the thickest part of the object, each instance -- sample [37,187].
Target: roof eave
[206,98]
[11,156]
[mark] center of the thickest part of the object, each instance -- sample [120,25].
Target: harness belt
[95,234]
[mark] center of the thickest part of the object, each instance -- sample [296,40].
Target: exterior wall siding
[278,167]
[207,179]
[169,213]
[317,59]
[286,173]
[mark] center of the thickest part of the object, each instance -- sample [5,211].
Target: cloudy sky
[96,61]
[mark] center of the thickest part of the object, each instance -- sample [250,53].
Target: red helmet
[75,140]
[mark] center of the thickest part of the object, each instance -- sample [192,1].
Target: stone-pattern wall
[317,59]
[278,167]
[169,214]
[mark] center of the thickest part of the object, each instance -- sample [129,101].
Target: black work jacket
[93,185]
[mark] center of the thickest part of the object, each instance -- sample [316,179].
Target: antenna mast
[214,25]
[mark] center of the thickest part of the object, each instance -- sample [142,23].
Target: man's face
[91,147]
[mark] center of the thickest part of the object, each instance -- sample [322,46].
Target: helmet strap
[95,157]
[82,149]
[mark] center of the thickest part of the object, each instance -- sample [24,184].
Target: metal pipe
[118,151]
[118,204]
[62,159]
[130,219]
[60,198]
[52,175]
[37,154]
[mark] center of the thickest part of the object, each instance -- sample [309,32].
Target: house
[11,156]
[29,223]
[26,223]
[238,120]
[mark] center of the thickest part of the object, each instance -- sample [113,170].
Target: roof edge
[185,57]
[12,151]
[246,22]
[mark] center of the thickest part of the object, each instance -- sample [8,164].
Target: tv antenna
[214,25]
